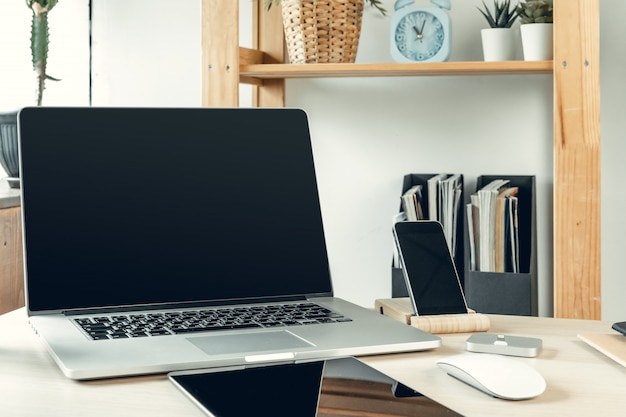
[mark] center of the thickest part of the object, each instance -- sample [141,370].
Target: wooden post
[267,36]
[577,275]
[220,53]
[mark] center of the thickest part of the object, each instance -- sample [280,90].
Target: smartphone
[429,272]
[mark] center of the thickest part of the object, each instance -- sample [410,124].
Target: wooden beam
[577,277]
[220,53]
[267,36]
[249,56]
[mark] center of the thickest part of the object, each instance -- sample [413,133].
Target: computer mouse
[496,375]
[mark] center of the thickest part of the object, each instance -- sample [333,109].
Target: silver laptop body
[133,214]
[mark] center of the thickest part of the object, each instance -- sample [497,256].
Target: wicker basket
[322,31]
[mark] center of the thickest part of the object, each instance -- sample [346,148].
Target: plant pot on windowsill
[9,148]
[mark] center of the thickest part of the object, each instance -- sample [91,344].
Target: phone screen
[431,277]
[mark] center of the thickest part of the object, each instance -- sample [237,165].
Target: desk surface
[581,380]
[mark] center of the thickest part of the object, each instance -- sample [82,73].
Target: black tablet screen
[338,387]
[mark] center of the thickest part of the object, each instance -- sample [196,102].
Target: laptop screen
[126,206]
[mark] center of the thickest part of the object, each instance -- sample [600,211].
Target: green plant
[503,16]
[39,42]
[535,11]
[374,3]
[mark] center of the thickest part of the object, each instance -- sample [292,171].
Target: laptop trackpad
[249,342]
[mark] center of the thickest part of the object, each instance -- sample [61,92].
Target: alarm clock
[420,34]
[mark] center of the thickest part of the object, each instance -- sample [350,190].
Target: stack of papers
[444,197]
[412,203]
[449,193]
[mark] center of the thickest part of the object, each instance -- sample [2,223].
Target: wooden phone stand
[401,310]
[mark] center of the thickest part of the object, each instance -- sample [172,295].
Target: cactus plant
[39,42]
[535,11]
[503,16]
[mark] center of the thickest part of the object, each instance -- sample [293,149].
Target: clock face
[420,36]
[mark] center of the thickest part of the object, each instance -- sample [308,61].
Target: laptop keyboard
[191,321]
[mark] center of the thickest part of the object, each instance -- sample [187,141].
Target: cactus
[39,42]
[503,16]
[535,11]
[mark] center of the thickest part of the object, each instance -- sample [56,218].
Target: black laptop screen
[140,206]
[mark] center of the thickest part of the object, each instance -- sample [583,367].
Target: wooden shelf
[576,111]
[282,71]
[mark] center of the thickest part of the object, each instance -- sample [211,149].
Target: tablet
[337,387]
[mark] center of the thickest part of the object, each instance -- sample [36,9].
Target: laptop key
[158,332]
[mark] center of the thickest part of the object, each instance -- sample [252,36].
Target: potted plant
[536,29]
[39,42]
[499,39]
[322,31]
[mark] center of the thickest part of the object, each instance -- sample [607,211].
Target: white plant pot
[498,44]
[537,41]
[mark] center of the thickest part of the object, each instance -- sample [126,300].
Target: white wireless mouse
[498,376]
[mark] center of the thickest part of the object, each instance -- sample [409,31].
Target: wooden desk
[581,381]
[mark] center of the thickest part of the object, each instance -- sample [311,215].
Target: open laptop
[170,239]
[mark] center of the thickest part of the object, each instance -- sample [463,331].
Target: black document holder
[398,285]
[506,292]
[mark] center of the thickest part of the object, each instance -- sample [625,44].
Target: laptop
[170,239]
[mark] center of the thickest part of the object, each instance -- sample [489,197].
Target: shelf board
[281,71]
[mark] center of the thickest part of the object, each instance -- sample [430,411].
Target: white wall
[146,53]
[369,132]
[613,128]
